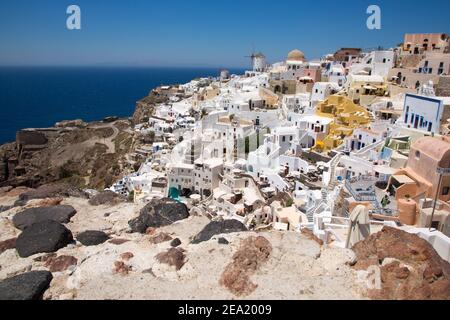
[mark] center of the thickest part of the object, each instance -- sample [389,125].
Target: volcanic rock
[7,245]
[118,241]
[28,217]
[43,237]
[413,270]
[252,253]
[27,286]
[121,268]
[61,263]
[160,238]
[92,238]
[175,242]
[106,198]
[159,213]
[219,227]
[173,257]
[50,202]
[223,241]
[127,256]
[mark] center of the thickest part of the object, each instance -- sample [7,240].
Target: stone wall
[443,87]
[30,138]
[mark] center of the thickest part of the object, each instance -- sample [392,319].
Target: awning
[390,111]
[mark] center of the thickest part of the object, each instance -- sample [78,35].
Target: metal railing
[361,196]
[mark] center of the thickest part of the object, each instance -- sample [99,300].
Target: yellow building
[271,99]
[346,115]
[205,94]
[364,89]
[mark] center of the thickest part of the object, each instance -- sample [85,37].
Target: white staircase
[333,166]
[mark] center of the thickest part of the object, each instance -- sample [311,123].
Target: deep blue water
[41,96]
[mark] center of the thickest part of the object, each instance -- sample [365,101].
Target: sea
[38,97]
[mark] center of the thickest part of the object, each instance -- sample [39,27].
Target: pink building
[419,43]
[313,72]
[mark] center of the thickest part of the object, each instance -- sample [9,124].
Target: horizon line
[119,66]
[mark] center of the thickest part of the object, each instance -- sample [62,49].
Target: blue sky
[209,33]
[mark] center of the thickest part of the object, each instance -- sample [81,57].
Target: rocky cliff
[87,155]
[96,255]
[146,106]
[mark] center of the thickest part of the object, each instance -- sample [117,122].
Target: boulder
[106,198]
[43,237]
[27,286]
[92,238]
[175,243]
[410,267]
[159,213]
[28,217]
[173,257]
[219,227]
[223,241]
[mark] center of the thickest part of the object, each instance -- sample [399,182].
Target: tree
[289,203]
[131,196]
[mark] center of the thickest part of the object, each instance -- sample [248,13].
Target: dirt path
[109,142]
[76,151]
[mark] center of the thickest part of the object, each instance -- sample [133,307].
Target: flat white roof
[403,179]
[315,119]
[183,166]
[212,162]
[285,130]
[366,78]
[446,100]
[385,170]
[294,62]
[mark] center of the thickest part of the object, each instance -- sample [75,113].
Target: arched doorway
[399,78]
